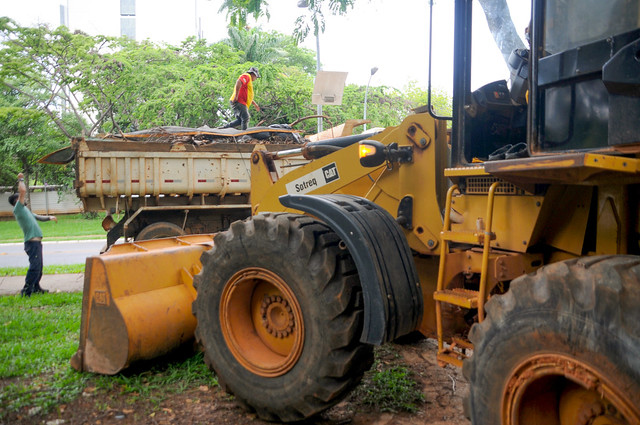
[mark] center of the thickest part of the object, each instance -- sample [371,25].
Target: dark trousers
[241,113]
[34,274]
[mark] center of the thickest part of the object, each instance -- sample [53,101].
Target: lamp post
[366,92]
[304,4]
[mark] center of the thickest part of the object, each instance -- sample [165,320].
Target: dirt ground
[443,389]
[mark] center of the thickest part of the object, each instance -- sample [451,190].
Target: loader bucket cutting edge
[137,302]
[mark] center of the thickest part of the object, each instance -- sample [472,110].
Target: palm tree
[238,10]
[257,46]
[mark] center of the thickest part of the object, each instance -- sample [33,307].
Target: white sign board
[328,88]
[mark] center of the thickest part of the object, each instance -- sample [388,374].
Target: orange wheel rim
[261,322]
[530,392]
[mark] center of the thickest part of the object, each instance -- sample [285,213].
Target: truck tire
[280,313]
[160,229]
[560,347]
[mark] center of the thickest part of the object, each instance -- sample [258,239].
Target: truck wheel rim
[556,386]
[261,322]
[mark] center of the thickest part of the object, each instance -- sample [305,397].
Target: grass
[389,386]
[37,333]
[38,336]
[72,226]
[53,269]
[157,383]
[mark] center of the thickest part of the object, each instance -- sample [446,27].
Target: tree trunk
[501,26]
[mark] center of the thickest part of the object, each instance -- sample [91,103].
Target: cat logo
[330,173]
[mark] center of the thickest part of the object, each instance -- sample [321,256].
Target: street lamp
[373,71]
[304,4]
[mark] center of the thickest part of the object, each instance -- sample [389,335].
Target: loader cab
[575,87]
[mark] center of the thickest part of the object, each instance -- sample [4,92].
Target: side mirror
[371,153]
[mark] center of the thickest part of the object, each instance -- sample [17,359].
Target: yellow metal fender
[137,302]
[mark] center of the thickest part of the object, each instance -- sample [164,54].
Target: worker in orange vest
[242,98]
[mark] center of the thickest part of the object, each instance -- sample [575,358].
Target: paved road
[54,253]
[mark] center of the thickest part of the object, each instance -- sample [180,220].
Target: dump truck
[169,181]
[509,232]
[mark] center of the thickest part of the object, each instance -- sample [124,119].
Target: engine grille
[480,185]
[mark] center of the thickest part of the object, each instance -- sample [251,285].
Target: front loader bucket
[137,302]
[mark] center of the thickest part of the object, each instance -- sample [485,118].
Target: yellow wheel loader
[512,237]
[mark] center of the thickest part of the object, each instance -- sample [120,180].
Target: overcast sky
[391,35]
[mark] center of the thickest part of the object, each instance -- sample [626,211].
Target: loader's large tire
[279,311]
[560,347]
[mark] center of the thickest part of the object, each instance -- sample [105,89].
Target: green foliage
[130,85]
[55,84]
[26,136]
[256,46]
[283,93]
[440,99]
[296,56]
[261,47]
[385,106]
[314,21]
[36,65]
[42,66]
[142,85]
[239,10]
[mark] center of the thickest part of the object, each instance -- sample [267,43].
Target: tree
[43,65]
[441,101]
[257,46]
[239,10]
[114,85]
[315,19]
[501,26]
[142,85]
[284,94]
[27,135]
[272,47]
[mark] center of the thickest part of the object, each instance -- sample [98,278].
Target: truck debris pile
[273,134]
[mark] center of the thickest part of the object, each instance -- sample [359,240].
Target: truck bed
[111,172]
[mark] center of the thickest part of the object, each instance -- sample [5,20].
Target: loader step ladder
[455,353]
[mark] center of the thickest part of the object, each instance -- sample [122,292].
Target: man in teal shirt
[32,238]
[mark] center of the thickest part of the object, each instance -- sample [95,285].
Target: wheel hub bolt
[277,316]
